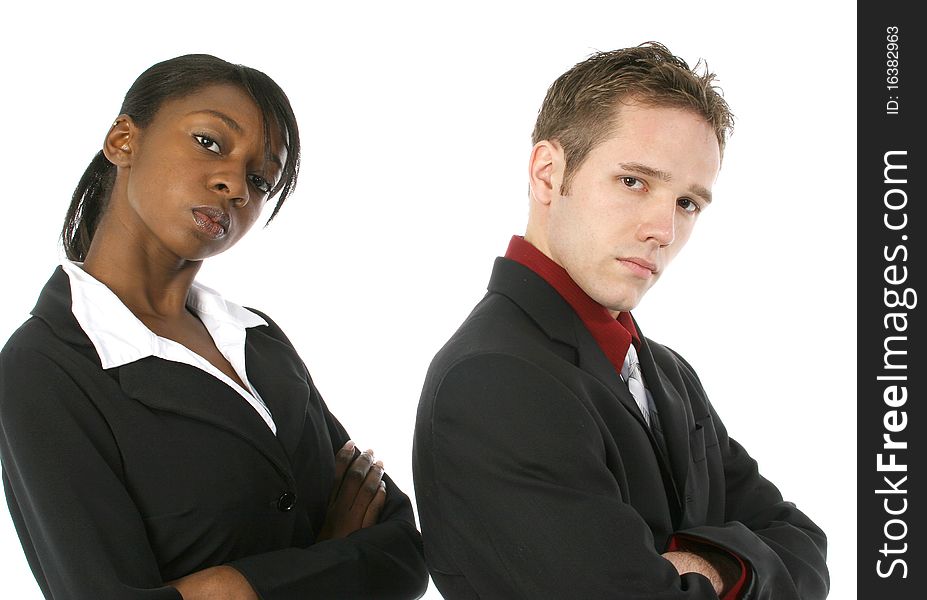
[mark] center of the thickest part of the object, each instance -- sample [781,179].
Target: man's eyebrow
[234,126]
[640,169]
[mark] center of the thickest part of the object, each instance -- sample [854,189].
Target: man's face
[632,204]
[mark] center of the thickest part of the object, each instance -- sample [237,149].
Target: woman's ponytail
[87,206]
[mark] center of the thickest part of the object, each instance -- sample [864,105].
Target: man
[558,452]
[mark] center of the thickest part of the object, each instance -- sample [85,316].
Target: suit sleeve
[80,530]
[385,560]
[784,548]
[514,493]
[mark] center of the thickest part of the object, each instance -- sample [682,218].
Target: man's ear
[119,141]
[545,171]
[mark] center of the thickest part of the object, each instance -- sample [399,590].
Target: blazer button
[286,502]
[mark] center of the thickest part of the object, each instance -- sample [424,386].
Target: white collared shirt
[120,338]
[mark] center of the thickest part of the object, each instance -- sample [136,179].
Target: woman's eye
[208,143]
[688,205]
[260,183]
[632,182]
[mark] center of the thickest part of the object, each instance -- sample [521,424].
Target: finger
[353,480]
[368,490]
[372,516]
[343,459]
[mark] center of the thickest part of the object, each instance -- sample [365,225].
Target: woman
[157,440]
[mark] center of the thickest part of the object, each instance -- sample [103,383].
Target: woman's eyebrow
[234,126]
[232,123]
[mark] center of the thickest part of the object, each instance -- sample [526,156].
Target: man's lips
[213,221]
[639,266]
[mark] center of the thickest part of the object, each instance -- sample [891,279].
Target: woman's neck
[151,282]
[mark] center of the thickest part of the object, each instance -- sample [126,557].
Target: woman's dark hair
[175,78]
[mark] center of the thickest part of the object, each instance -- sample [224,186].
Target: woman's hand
[358,494]
[215,583]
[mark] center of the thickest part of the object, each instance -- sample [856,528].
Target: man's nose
[658,222]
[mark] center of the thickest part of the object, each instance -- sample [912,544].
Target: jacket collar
[54,308]
[554,315]
[614,336]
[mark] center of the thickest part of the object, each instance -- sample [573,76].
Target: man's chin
[623,296]
[620,305]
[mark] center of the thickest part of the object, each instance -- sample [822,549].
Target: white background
[416,122]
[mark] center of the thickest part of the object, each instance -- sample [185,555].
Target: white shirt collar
[120,338]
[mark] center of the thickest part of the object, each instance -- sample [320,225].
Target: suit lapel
[593,361]
[671,413]
[277,372]
[560,322]
[185,390]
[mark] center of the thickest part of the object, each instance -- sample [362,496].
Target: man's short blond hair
[581,107]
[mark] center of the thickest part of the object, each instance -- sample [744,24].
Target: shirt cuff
[683,543]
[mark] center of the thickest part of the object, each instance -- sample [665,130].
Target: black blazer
[536,476]
[119,480]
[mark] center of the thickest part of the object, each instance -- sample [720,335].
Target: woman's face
[196,178]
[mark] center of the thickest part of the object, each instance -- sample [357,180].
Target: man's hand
[689,562]
[215,583]
[358,495]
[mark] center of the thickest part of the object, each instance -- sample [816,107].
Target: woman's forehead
[235,107]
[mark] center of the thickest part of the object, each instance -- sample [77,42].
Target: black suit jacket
[119,480]
[536,476]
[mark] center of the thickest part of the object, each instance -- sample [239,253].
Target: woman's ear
[118,144]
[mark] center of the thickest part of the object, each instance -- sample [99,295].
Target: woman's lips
[212,221]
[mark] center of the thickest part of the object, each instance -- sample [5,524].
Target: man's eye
[688,205]
[632,182]
[208,143]
[260,183]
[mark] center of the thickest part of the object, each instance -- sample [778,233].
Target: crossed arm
[357,499]
[83,533]
[525,505]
